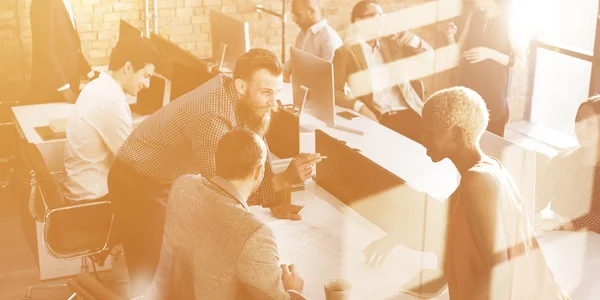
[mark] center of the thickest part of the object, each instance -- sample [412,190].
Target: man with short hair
[316,36]
[366,78]
[491,251]
[101,119]
[213,246]
[181,138]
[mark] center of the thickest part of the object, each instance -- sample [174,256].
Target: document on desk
[329,244]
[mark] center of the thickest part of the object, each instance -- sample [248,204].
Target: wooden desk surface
[328,244]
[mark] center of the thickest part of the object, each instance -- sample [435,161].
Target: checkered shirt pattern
[181,138]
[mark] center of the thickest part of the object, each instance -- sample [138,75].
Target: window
[562,66]
[563,83]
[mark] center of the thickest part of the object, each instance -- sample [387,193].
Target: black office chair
[79,231]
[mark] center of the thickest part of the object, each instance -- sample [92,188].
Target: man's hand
[377,251]
[287,211]
[287,76]
[365,111]
[69,96]
[95,75]
[291,279]
[478,54]
[545,225]
[301,168]
[409,39]
[451,30]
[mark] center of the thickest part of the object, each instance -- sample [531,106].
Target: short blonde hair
[458,107]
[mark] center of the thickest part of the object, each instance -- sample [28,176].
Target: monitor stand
[311,128]
[216,62]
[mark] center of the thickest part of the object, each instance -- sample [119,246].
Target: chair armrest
[76,288]
[96,289]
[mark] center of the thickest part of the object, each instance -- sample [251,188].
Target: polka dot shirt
[573,189]
[181,138]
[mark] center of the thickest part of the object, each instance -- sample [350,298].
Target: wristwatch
[511,60]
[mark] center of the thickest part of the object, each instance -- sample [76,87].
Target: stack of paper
[58,125]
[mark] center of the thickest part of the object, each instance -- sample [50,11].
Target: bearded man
[181,138]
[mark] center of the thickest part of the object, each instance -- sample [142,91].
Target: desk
[328,244]
[321,254]
[27,117]
[390,150]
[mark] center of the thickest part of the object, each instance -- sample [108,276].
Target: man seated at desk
[181,138]
[213,246]
[101,119]
[316,37]
[364,65]
[491,252]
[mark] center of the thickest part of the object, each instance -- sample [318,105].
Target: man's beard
[257,123]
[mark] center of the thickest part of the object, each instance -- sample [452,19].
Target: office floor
[18,270]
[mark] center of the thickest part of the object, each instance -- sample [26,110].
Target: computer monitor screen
[315,74]
[232,32]
[128,30]
[171,53]
[185,70]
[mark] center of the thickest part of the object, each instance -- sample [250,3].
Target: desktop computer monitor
[171,53]
[185,70]
[128,30]
[232,33]
[312,85]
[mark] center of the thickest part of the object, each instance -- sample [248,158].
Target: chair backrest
[78,230]
[47,188]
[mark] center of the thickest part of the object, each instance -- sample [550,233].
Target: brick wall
[184,22]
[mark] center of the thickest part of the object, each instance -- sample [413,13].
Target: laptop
[149,100]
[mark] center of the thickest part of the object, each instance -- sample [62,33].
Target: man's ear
[240,86]
[128,68]
[258,172]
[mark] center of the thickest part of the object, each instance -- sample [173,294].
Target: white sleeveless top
[515,268]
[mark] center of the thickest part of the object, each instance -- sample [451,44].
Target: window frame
[591,56]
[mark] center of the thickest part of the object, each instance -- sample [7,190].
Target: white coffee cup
[338,289]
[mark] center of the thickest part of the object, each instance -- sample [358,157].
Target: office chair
[78,231]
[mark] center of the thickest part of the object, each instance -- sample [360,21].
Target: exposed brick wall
[184,22]
[13,63]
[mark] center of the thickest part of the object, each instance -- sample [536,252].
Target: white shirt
[319,40]
[98,126]
[386,94]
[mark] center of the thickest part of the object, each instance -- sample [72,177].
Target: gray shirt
[319,40]
[214,248]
